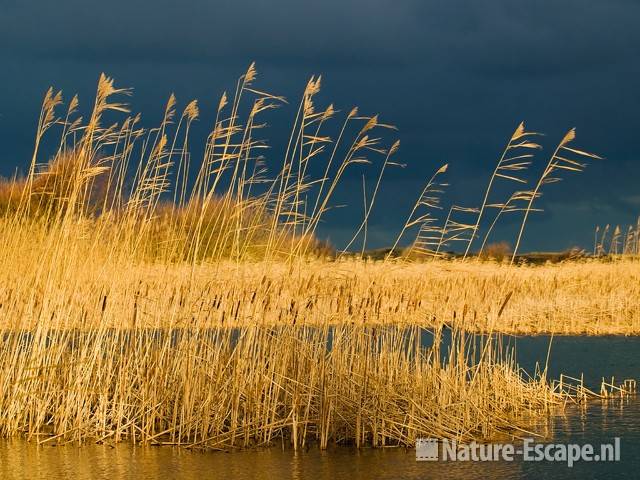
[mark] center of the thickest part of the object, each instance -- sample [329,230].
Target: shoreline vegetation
[143,303]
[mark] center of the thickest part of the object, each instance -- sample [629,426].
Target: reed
[622,244]
[558,162]
[141,304]
[515,158]
[585,296]
[236,388]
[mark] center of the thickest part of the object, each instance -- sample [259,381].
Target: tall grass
[558,162]
[625,243]
[223,388]
[140,180]
[142,303]
[515,158]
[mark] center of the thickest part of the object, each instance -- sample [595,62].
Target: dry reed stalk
[512,161]
[225,388]
[558,162]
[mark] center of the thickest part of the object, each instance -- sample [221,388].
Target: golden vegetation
[223,388]
[617,241]
[140,303]
[93,289]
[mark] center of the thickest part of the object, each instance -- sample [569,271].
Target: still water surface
[599,423]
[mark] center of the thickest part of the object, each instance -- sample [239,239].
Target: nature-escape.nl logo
[432,449]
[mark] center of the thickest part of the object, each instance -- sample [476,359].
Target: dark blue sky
[456,77]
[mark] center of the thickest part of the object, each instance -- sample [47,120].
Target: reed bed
[239,354]
[96,347]
[238,388]
[139,302]
[89,286]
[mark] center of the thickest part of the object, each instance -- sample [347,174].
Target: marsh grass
[235,388]
[616,242]
[141,303]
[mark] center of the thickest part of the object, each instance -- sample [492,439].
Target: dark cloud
[456,77]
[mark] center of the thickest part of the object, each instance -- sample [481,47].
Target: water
[599,423]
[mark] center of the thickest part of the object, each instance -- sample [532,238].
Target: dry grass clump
[201,232]
[51,189]
[9,196]
[496,251]
[222,388]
